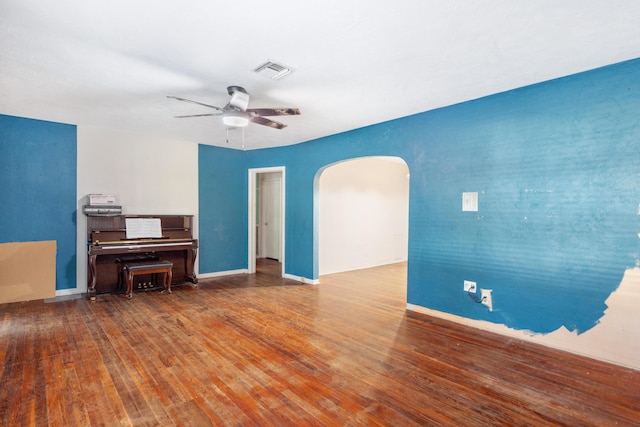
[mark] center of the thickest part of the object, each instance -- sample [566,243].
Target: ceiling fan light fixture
[235,120]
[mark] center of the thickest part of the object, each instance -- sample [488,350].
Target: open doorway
[266,220]
[363,214]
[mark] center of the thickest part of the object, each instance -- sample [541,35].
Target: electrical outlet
[485,298]
[469,286]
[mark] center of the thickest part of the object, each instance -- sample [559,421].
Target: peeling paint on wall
[616,339]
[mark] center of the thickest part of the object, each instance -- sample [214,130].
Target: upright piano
[109,250]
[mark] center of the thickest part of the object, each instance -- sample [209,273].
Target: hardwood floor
[269,267]
[259,350]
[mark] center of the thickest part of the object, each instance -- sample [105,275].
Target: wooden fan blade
[195,102]
[267,122]
[273,111]
[197,115]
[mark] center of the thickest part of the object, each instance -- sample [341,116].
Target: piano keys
[109,250]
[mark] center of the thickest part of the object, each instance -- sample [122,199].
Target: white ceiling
[112,63]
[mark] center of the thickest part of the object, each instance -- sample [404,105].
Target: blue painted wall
[557,167]
[38,165]
[222,201]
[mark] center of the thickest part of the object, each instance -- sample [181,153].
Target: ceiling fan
[236,113]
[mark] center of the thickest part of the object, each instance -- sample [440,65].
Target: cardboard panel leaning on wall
[19,281]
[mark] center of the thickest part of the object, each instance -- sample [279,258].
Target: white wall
[363,214]
[148,175]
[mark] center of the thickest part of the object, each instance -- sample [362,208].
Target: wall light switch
[470,202]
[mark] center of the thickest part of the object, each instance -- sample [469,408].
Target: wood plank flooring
[259,350]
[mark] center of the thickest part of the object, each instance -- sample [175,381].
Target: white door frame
[253,175]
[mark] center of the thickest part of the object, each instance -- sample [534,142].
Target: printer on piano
[101,205]
[102,210]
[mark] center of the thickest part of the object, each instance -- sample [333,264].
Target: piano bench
[132,270]
[130,259]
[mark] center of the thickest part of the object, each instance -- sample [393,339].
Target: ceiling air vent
[273,70]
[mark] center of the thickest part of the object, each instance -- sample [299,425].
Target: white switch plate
[470,202]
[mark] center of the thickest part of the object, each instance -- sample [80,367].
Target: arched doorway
[362,211]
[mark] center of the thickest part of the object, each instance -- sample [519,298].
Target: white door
[270,216]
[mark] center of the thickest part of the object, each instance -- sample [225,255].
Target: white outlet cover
[487,298]
[470,202]
[469,286]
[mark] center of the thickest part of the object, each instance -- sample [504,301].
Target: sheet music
[139,228]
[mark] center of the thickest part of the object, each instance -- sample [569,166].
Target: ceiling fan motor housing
[233,89]
[239,98]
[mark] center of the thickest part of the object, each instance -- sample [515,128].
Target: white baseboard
[302,279]
[560,339]
[478,324]
[223,273]
[246,271]
[67,292]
